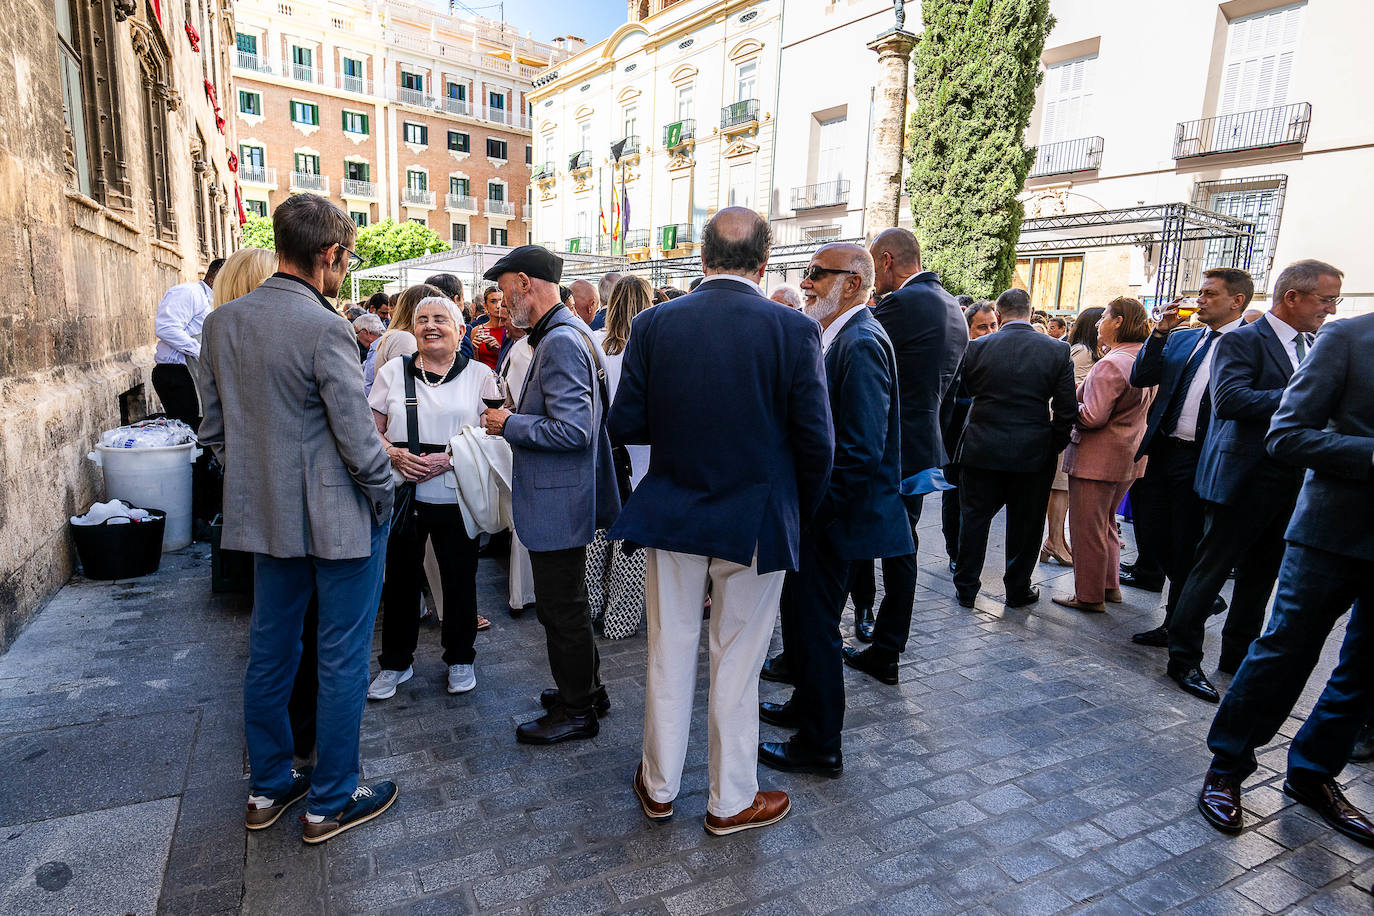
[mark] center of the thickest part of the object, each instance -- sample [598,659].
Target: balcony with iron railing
[304,74]
[257,174]
[461,107]
[358,189]
[246,61]
[416,97]
[636,239]
[500,207]
[631,146]
[580,161]
[1080,155]
[823,194]
[417,197]
[674,236]
[309,181]
[543,171]
[460,202]
[1229,133]
[358,84]
[740,114]
[579,245]
[516,119]
[685,130]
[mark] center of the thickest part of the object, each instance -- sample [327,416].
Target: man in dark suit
[742,446]
[982,321]
[1178,360]
[861,516]
[1023,408]
[1326,424]
[1247,496]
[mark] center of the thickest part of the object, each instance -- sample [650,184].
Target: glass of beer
[1186,309]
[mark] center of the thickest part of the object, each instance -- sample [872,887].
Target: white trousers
[744,607]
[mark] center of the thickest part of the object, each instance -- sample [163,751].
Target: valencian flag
[601,205]
[669,240]
[674,134]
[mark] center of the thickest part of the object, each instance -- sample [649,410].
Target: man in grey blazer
[563,483]
[307,491]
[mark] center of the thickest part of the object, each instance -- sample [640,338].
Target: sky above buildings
[549,19]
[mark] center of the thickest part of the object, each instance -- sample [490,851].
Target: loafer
[259,813]
[1192,680]
[768,808]
[1029,596]
[1325,798]
[966,600]
[775,669]
[557,725]
[1145,585]
[655,811]
[783,715]
[367,802]
[549,699]
[1071,601]
[1219,802]
[792,756]
[863,624]
[1158,638]
[872,661]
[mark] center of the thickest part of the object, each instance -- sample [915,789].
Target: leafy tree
[388,241]
[257,233]
[977,67]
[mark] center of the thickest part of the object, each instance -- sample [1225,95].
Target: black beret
[531,260]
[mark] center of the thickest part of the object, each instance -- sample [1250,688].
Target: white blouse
[441,413]
[639,454]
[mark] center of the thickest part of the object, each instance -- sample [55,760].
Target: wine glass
[494,391]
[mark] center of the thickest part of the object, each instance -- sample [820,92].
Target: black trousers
[1026,496]
[1246,537]
[305,691]
[893,623]
[1168,513]
[560,602]
[405,558]
[177,392]
[949,515]
[812,600]
[1147,566]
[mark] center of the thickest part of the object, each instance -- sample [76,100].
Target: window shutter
[1260,53]
[1068,99]
[365,127]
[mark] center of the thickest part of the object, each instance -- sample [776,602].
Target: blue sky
[547,19]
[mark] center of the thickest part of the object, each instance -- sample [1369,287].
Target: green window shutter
[365,127]
[314,114]
[345,121]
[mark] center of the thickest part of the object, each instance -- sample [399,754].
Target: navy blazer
[1159,364]
[1325,423]
[1250,370]
[862,515]
[728,389]
[929,334]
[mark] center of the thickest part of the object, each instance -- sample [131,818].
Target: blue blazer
[563,483]
[1325,423]
[1160,364]
[861,514]
[728,389]
[929,335]
[1249,373]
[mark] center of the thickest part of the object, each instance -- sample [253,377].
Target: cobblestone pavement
[1030,762]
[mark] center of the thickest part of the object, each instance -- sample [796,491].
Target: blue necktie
[1168,425]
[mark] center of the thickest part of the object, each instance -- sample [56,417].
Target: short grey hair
[453,310]
[787,295]
[1303,276]
[370,323]
[604,287]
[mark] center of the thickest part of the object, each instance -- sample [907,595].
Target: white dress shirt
[1192,404]
[736,278]
[829,334]
[614,362]
[1287,336]
[179,316]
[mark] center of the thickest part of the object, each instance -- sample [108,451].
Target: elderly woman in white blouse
[448,389]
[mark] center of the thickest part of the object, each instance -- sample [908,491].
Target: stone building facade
[116,182]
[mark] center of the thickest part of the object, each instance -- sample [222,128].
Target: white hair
[369,322]
[786,295]
[454,312]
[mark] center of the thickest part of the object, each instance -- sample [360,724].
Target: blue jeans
[349,591]
[1315,589]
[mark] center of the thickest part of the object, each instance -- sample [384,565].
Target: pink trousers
[1092,532]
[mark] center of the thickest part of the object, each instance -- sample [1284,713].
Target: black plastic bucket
[124,551]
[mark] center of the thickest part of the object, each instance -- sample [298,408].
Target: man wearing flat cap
[564,485]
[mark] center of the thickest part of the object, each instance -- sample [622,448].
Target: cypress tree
[977,66]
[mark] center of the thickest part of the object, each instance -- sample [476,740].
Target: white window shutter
[1260,53]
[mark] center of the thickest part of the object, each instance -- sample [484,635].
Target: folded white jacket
[481,474]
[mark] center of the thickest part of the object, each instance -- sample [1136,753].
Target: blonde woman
[244,272]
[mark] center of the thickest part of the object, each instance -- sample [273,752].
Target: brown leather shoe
[653,810]
[1219,801]
[768,808]
[1325,798]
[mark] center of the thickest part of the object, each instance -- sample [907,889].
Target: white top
[1288,337]
[179,316]
[829,334]
[394,344]
[639,454]
[441,413]
[1192,404]
[517,366]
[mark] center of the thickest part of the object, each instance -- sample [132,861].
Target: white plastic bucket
[153,478]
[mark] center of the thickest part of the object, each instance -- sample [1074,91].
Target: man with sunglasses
[307,491]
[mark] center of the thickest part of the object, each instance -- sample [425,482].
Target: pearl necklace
[420,363]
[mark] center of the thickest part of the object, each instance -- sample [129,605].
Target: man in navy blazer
[1178,360]
[1324,423]
[861,516]
[563,482]
[1247,496]
[741,446]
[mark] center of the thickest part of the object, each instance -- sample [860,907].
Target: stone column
[884,191]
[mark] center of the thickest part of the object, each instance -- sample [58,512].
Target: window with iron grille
[1258,200]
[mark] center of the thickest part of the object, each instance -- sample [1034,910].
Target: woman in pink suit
[1100,459]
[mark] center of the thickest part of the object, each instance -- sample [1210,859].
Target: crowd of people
[569,422]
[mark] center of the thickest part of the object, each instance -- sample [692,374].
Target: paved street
[1030,762]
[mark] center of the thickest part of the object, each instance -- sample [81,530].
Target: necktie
[1168,425]
[1300,344]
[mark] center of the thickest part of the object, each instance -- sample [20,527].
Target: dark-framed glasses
[816,271]
[354,259]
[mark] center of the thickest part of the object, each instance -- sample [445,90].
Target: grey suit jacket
[563,485]
[304,469]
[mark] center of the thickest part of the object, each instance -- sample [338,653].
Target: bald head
[585,300]
[896,255]
[736,241]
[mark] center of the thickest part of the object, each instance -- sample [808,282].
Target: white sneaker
[461,678]
[384,684]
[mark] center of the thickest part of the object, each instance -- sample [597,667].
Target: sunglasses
[815,272]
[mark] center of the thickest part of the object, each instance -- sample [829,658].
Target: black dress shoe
[1145,585]
[1192,680]
[967,600]
[557,725]
[1158,637]
[1029,596]
[549,699]
[793,756]
[1219,801]
[1324,797]
[863,624]
[1364,745]
[872,661]
[1218,606]
[953,567]
[776,670]
[783,715]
